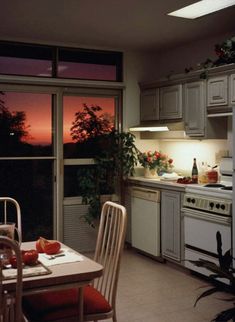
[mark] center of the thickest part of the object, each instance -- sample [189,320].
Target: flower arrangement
[155,160]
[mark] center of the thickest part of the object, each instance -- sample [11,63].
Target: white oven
[206,210]
[200,229]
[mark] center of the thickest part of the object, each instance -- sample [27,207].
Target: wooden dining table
[63,275]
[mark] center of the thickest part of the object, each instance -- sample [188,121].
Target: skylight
[202,8]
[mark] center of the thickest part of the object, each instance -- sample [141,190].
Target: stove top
[218,185]
[221,190]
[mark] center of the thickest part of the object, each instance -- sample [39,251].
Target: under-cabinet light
[202,8]
[149,128]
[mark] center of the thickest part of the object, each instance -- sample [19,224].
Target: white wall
[137,68]
[183,152]
[189,55]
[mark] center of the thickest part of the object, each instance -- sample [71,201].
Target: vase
[150,173]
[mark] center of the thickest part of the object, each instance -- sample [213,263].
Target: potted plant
[115,160]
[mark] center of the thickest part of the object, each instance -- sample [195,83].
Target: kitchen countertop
[157,183]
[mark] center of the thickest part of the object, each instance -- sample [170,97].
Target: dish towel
[67,256]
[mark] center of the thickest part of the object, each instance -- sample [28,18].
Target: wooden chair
[11,303]
[100,297]
[8,202]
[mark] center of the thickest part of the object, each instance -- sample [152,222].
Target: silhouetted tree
[88,124]
[12,125]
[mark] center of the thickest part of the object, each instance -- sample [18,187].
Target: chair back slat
[109,247]
[11,303]
[7,202]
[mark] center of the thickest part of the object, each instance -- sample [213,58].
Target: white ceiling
[112,24]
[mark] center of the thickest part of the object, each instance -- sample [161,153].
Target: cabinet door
[232,89]
[194,108]
[217,91]
[171,102]
[149,105]
[170,224]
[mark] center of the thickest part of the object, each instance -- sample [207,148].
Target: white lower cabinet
[170,225]
[145,220]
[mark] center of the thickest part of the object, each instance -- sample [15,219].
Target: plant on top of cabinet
[225,55]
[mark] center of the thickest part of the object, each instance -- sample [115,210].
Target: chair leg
[114,316]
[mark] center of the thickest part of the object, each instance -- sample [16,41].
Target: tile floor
[150,291]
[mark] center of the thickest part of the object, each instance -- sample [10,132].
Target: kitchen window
[58,62]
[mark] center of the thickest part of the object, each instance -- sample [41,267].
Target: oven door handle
[186,212]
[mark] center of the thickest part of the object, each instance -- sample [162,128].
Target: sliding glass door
[87,116]
[27,157]
[47,144]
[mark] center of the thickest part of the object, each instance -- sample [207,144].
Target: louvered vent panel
[77,233]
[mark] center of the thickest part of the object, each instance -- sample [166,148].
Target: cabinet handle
[216,97]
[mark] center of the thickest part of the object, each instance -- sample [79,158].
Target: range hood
[160,130]
[218,111]
[158,126]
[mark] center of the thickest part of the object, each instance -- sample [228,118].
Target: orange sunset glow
[38,111]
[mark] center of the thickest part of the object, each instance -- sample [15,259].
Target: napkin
[69,257]
[170,176]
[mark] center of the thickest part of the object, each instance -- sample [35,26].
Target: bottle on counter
[202,178]
[195,171]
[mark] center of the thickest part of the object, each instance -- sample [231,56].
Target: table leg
[80,304]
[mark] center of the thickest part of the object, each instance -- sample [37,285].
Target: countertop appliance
[145,220]
[206,210]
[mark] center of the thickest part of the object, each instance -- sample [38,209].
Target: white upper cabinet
[171,102]
[232,89]
[149,105]
[217,91]
[194,108]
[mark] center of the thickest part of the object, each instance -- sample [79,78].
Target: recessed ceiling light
[202,8]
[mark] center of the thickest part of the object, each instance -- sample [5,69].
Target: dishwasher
[145,220]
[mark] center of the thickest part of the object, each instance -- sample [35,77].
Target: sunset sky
[37,108]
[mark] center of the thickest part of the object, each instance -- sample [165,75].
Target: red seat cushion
[61,304]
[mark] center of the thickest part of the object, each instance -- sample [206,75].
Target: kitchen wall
[183,152]
[148,67]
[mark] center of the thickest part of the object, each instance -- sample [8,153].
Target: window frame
[106,57]
[59,88]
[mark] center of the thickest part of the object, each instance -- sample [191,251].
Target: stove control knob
[188,199]
[222,207]
[211,204]
[217,205]
[193,200]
